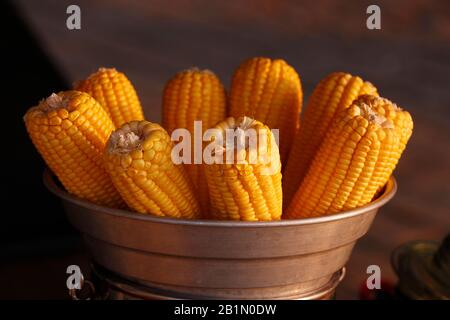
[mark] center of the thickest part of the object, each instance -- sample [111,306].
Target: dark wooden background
[408,60]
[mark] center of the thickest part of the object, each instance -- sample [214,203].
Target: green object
[423,269]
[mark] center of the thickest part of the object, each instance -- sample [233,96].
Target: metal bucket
[201,259]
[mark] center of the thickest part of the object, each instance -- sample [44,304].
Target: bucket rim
[389,191]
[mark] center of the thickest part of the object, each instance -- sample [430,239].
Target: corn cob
[269,91]
[70,130]
[343,173]
[402,122]
[334,93]
[115,93]
[138,159]
[249,187]
[194,95]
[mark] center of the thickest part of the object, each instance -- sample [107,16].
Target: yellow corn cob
[194,95]
[343,173]
[70,130]
[269,91]
[138,159]
[115,93]
[402,122]
[334,93]
[247,190]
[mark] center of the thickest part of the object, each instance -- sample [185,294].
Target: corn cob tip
[259,148]
[373,101]
[368,112]
[245,123]
[104,69]
[44,105]
[198,70]
[124,142]
[130,136]
[80,83]
[372,116]
[238,124]
[52,102]
[262,58]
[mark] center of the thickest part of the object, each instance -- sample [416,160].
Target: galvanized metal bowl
[175,258]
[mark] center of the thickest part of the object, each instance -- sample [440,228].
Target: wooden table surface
[408,60]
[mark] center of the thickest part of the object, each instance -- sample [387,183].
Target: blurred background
[408,60]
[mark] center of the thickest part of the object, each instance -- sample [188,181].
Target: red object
[387,291]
